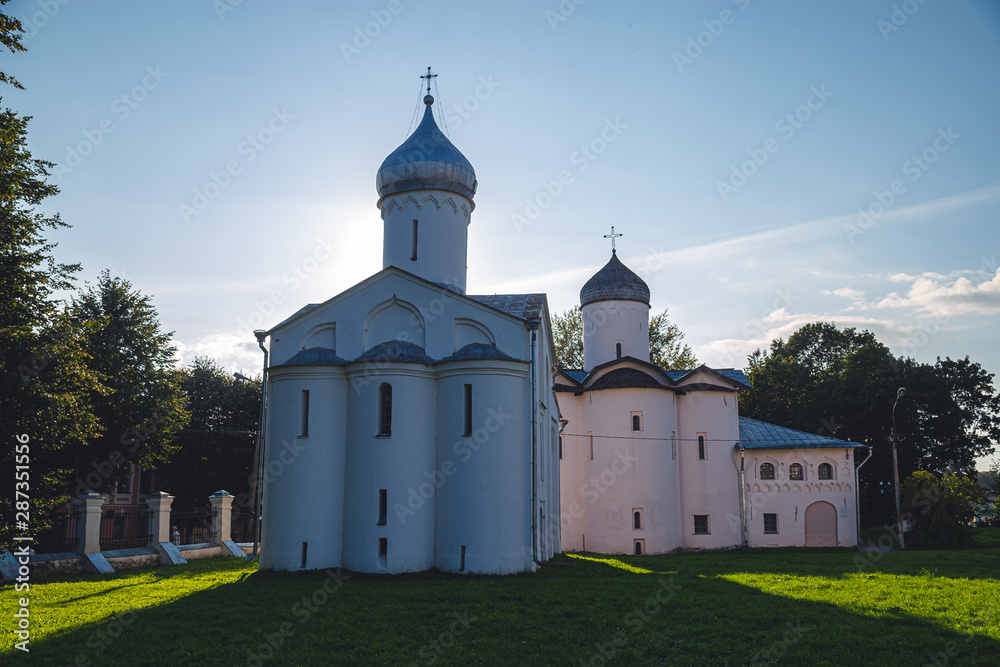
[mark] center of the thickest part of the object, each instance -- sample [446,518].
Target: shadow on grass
[682,612]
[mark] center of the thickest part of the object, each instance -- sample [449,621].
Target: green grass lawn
[773,606]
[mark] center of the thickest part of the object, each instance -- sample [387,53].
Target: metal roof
[614,282]
[523,306]
[426,160]
[729,373]
[479,351]
[755,434]
[315,356]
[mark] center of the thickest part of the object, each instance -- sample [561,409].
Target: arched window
[825,471]
[701,447]
[795,471]
[385,409]
[767,471]
[638,548]
[637,520]
[618,350]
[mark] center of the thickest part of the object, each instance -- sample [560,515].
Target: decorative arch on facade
[762,468]
[394,319]
[796,460]
[821,469]
[470,331]
[321,335]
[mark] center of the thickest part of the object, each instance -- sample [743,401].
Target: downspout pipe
[259,491]
[857,491]
[533,326]
[744,536]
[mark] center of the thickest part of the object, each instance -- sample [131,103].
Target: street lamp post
[895,469]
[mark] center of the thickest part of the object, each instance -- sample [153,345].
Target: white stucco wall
[442,234]
[606,323]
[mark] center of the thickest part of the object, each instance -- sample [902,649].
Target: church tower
[425,192]
[615,305]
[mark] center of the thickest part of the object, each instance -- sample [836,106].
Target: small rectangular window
[701,524]
[383,505]
[639,548]
[383,546]
[701,447]
[413,249]
[590,446]
[304,419]
[468,410]
[770,523]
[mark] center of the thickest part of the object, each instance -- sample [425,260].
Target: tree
[45,388]
[940,510]
[144,408]
[843,383]
[216,449]
[666,349]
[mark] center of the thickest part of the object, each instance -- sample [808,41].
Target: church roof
[479,351]
[315,356]
[728,373]
[755,434]
[397,350]
[524,306]
[621,378]
[614,282]
[426,160]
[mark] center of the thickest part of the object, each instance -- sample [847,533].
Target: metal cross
[428,76]
[612,236]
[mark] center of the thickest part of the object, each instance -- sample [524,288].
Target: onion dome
[615,282]
[426,160]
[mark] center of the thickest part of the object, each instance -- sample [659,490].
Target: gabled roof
[606,376]
[755,434]
[730,374]
[527,307]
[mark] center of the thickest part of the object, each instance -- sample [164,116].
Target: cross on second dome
[612,236]
[428,76]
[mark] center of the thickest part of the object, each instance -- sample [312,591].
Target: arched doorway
[821,525]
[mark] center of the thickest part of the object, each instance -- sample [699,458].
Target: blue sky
[222,156]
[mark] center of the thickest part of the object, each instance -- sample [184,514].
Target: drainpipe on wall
[857,492]
[259,491]
[744,533]
[533,326]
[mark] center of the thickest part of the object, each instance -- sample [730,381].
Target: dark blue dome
[615,282]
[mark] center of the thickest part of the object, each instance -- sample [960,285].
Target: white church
[411,426]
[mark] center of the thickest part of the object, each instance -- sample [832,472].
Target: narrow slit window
[305,552]
[701,447]
[304,418]
[618,350]
[385,410]
[413,247]
[468,410]
[590,446]
[637,519]
[636,423]
[560,447]
[640,547]
[461,560]
[383,505]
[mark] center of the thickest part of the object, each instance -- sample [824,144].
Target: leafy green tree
[940,509]
[144,408]
[45,387]
[666,348]
[843,383]
[216,449]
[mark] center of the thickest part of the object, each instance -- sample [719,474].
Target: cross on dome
[428,76]
[612,236]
